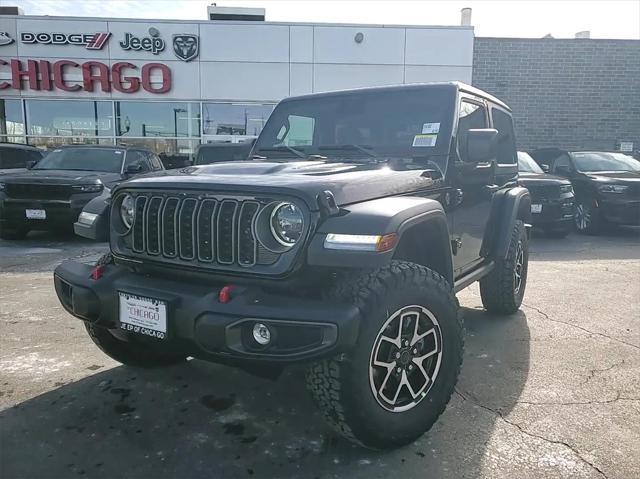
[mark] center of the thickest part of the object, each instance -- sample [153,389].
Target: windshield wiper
[366,149]
[298,153]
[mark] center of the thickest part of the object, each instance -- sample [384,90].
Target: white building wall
[252,61]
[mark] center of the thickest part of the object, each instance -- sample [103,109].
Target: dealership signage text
[124,77]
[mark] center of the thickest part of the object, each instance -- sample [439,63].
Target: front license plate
[536,208]
[36,214]
[142,315]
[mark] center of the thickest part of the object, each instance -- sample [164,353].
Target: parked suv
[17,157]
[552,199]
[52,193]
[606,184]
[341,245]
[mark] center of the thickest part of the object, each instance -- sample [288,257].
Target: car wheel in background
[587,218]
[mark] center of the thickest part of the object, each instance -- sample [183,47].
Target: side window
[137,158]
[471,116]
[300,132]
[506,137]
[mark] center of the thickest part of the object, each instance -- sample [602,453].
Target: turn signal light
[386,242]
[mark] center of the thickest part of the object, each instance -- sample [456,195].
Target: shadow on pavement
[204,420]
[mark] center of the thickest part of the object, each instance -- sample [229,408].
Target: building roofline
[577,40]
[231,22]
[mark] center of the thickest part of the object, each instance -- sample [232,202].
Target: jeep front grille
[213,231]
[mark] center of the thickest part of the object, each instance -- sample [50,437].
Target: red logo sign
[124,77]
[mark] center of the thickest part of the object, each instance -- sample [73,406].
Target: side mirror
[545,168]
[133,169]
[481,145]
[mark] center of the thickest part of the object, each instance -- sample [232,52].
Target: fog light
[261,334]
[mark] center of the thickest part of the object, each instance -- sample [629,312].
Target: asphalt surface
[552,391]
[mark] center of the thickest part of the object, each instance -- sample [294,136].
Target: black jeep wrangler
[340,245]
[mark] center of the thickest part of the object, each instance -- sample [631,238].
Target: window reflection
[171,151]
[157,119]
[235,119]
[11,121]
[69,118]
[50,143]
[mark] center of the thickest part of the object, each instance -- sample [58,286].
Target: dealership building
[170,85]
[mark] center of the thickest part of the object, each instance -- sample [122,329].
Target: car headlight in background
[92,188]
[127,210]
[287,224]
[612,188]
[566,189]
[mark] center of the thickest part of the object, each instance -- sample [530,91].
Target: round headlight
[287,224]
[127,210]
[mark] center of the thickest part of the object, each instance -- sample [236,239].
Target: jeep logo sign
[153,43]
[186,46]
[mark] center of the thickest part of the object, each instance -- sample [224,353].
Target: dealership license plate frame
[148,327]
[536,208]
[35,214]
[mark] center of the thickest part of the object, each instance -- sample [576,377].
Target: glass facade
[170,128]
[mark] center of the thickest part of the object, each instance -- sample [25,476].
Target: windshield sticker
[118,152]
[429,128]
[425,140]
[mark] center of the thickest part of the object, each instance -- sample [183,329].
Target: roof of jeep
[413,86]
[19,146]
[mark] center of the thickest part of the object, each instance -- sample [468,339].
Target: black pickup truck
[340,245]
[53,193]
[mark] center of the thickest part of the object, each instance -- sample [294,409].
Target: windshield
[526,164]
[408,122]
[85,159]
[603,161]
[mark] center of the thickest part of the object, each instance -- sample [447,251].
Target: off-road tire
[13,234]
[341,386]
[498,290]
[131,352]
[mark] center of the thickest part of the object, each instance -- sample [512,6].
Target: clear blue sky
[514,18]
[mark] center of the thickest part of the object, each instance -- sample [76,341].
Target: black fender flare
[99,230]
[381,217]
[507,206]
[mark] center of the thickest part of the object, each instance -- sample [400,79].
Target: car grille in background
[539,192]
[38,191]
[202,230]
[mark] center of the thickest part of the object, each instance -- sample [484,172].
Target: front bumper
[557,214]
[60,213]
[199,325]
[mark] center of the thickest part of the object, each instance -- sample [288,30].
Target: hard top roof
[22,146]
[456,85]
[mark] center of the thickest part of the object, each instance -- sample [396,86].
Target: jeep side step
[473,276]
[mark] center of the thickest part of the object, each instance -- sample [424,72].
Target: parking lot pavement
[552,391]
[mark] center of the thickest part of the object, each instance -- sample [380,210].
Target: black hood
[59,177]
[541,179]
[614,176]
[349,182]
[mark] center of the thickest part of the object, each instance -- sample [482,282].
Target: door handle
[492,188]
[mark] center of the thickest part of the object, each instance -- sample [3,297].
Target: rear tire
[502,290]
[417,306]
[131,352]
